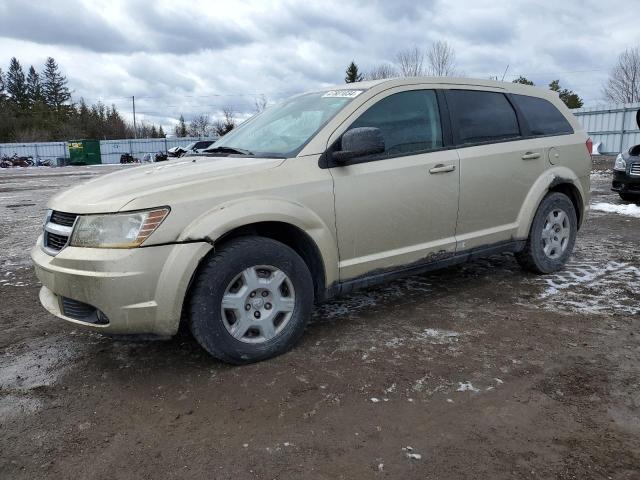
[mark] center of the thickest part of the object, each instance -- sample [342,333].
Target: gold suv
[326,192]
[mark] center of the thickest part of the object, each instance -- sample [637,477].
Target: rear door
[398,207]
[498,165]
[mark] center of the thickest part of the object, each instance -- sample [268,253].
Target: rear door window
[542,116]
[480,117]
[409,121]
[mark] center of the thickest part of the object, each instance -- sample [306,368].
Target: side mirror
[359,142]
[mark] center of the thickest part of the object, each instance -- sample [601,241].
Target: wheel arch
[570,190]
[292,236]
[288,222]
[559,179]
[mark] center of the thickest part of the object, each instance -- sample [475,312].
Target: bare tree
[410,62]
[442,59]
[380,72]
[623,85]
[260,103]
[225,124]
[200,126]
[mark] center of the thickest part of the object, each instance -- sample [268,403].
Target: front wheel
[552,235]
[251,300]
[630,197]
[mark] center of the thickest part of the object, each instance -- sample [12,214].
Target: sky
[199,57]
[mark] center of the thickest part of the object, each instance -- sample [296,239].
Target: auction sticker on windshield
[342,93]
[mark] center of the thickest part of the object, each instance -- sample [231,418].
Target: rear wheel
[251,300]
[552,235]
[630,197]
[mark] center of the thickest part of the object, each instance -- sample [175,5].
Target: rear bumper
[123,291]
[625,183]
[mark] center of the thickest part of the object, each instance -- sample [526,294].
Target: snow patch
[630,210]
[594,287]
[441,336]
[466,387]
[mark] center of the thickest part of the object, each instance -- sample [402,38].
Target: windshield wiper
[228,150]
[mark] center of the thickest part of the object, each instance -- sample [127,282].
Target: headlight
[116,230]
[620,164]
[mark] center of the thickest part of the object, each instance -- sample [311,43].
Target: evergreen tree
[569,97]
[83,118]
[154,132]
[34,88]
[352,74]
[181,128]
[115,126]
[523,80]
[2,86]
[54,86]
[161,133]
[17,84]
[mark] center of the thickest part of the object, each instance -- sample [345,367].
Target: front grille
[635,169]
[57,230]
[63,218]
[55,241]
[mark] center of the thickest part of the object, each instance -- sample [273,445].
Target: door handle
[440,168]
[531,156]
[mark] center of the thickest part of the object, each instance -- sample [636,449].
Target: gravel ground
[476,371]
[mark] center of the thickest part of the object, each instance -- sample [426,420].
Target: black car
[626,175]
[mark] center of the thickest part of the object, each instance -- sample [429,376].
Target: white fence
[110,150]
[38,151]
[615,127]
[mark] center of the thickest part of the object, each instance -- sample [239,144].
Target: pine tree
[3,95]
[181,128]
[352,74]
[569,97]
[16,84]
[154,132]
[54,86]
[34,88]
[523,80]
[161,133]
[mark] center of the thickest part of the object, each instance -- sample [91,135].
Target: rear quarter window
[480,116]
[542,116]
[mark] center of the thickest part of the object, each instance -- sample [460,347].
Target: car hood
[112,192]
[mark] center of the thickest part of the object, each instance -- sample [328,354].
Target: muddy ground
[477,371]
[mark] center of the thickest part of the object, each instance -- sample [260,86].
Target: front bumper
[134,291]
[625,183]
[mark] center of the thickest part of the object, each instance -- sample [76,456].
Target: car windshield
[284,129]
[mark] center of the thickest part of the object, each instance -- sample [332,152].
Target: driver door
[401,206]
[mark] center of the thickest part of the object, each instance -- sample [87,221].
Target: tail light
[589,145]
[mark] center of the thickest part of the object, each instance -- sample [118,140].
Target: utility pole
[135,128]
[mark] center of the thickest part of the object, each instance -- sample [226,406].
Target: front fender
[228,216]
[551,178]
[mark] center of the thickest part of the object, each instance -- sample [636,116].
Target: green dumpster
[84,152]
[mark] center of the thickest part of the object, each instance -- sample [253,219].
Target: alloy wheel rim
[556,233]
[258,304]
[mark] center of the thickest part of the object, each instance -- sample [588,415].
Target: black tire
[532,257]
[214,276]
[630,197]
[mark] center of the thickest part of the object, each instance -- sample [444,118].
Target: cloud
[69,23]
[200,56]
